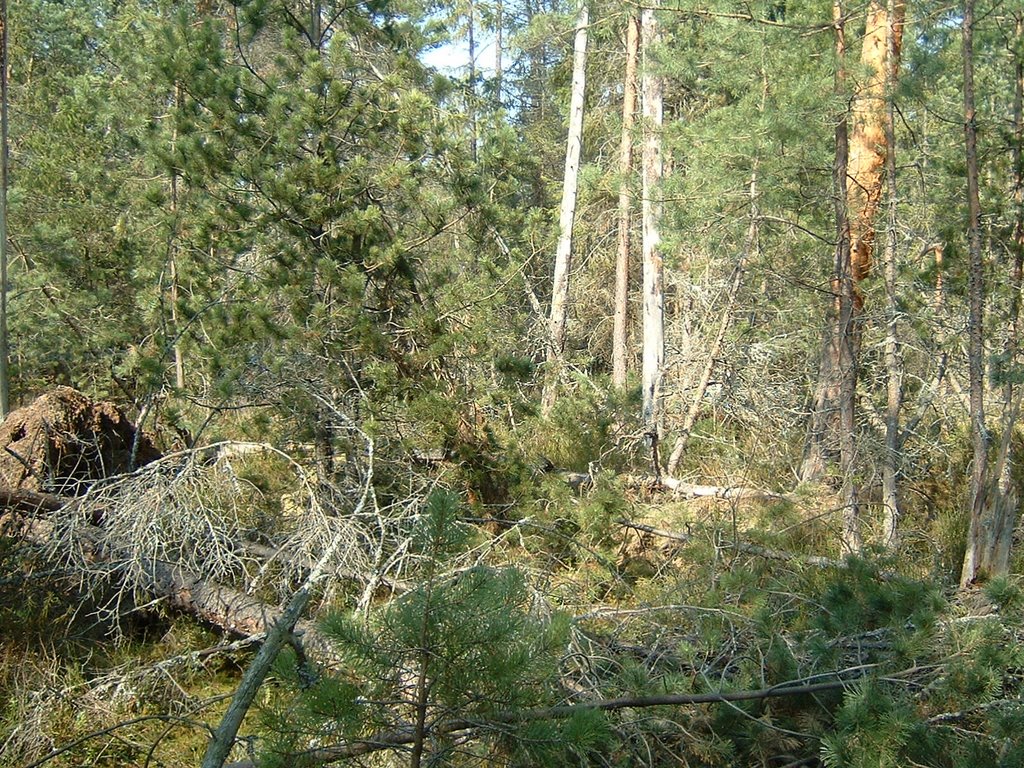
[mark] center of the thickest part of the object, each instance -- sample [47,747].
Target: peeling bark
[882,44]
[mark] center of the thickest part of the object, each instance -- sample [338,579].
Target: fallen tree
[682,489]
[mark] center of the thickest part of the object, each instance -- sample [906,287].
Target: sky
[453,58]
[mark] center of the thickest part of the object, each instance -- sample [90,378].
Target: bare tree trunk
[653,296]
[1003,501]
[866,145]
[620,346]
[882,43]
[563,255]
[471,88]
[172,255]
[5,376]
[499,48]
[975,554]
[893,359]
[316,32]
[844,352]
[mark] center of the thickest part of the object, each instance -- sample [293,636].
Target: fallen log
[815,561]
[681,489]
[227,608]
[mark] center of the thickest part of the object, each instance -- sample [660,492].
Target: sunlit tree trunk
[880,52]
[893,358]
[861,137]
[471,88]
[977,532]
[5,377]
[563,254]
[653,294]
[844,350]
[620,342]
[1002,500]
[499,48]
[172,256]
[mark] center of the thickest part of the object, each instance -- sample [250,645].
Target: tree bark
[620,341]
[869,142]
[563,255]
[5,376]
[893,359]
[1002,501]
[845,352]
[865,145]
[499,48]
[977,533]
[172,252]
[653,294]
[471,86]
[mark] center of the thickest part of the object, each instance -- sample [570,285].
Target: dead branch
[224,737]
[681,489]
[816,561]
[405,735]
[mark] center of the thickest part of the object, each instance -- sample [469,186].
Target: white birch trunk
[620,341]
[563,254]
[654,298]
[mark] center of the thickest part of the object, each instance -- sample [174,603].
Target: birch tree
[653,295]
[567,211]
[629,97]
[5,378]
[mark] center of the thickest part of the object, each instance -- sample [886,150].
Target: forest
[511,383]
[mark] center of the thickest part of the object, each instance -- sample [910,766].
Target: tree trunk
[5,377]
[316,33]
[831,431]
[172,253]
[653,296]
[883,38]
[844,346]
[499,48]
[620,348]
[471,86]
[864,143]
[563,255]
[893,359]
[977,533]
[1002,501]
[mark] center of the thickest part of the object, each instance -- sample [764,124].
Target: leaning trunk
[563,254]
